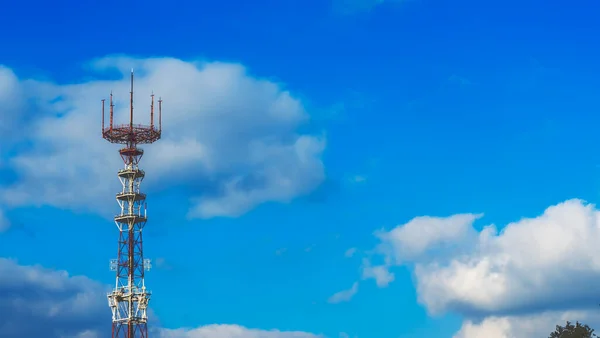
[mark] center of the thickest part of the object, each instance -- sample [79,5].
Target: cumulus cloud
[547,262]
[503,282]
[63,306]
[231,140]
[535,325]
[422,235]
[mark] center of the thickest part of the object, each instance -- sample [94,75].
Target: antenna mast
[129,300]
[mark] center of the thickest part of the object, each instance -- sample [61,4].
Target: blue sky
[437,107]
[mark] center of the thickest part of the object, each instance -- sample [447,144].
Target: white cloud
[63,306]
[547,262]
[232,331]
[536,325]
[230,139]
[344,295]
[421,235]
[381,273]
[536,269]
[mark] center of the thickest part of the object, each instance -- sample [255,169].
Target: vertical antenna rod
[111,111]
[159,114]
[131,103]
[152,112]
[103,114]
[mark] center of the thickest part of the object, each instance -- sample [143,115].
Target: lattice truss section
[129,300]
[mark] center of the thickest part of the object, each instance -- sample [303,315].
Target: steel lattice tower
[129,300]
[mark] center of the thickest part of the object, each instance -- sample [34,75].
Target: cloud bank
[63,306]
[59,305]
[231,141]
[504,283]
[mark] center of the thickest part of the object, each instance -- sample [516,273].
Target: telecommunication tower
[129,300]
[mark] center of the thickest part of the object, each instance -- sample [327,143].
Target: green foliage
[573,331]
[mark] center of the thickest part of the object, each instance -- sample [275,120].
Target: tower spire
[131,103]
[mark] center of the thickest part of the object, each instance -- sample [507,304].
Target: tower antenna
[131,103]
[129,299]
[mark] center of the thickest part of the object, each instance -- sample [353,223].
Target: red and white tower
[129,300]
